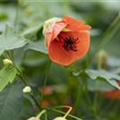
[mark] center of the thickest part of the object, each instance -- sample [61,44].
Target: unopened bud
[27,89]
[33,118]
[7,62]
[60,118]
[101,59]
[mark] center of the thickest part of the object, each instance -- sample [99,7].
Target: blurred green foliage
[70,85]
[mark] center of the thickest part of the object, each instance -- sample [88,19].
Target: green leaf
[13,105]
[97,85]
[6,15]
[10,40]
[114,61]
[37,46]
[104,75]
[7,75]
[28,33]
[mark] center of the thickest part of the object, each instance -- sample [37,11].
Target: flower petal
[85,27]
[75,25]
[83,45]
[48,38]
[58,54]
[55,40]
[56,30]
[73,21]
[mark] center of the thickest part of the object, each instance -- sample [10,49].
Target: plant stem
[72,116]
[41,113]
[23,78]
[16,17]
[86,93]
[45,82]
[77,100]
[36,102]
[110,32]
[70,108]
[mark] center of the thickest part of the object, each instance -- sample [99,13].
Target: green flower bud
[60,118]
[34,118]
[101,59]
[7,62]
[27,89]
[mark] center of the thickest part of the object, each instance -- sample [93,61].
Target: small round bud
[33,118]
[49,25]
[7,62]
[27,89]
[60,118]
[101,59]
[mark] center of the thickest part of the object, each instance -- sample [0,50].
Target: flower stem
[23,78]
[70,108]
[41,113]
[45,82]
[110,32]
[72,116]
[36,102]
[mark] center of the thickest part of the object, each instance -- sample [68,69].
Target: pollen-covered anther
[70,44]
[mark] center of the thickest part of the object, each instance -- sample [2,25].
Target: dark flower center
[70,44]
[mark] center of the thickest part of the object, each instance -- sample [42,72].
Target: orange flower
[48,90]
[45,103]
[67,39]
